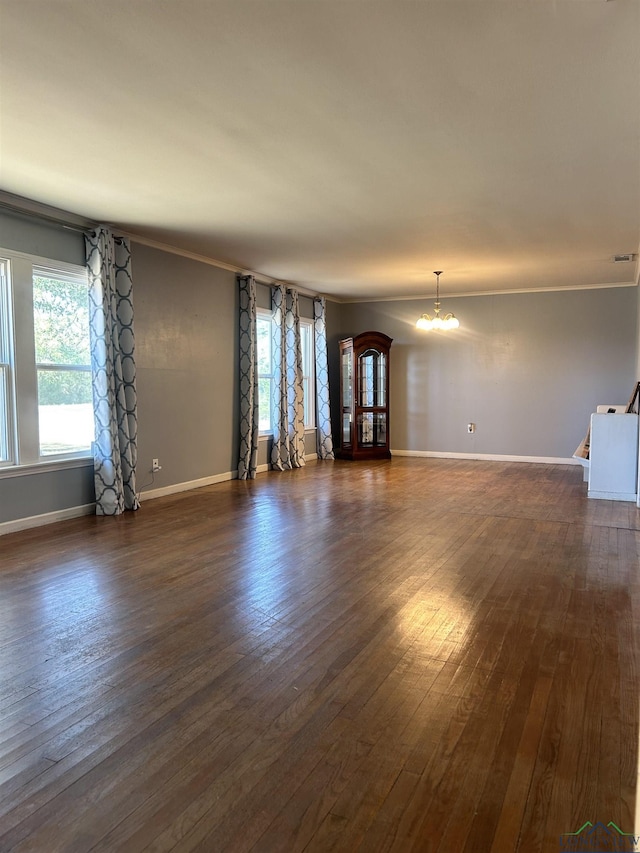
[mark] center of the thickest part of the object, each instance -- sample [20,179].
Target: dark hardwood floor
[427,655]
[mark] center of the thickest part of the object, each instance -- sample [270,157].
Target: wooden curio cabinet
[364,396]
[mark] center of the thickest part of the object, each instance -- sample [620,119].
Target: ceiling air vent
[623,259]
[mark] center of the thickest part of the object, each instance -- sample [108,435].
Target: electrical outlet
[471,427]
[155,465]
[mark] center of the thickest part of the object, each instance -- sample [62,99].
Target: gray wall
[527,369]
[187,367]
[43,492]
[25,234]
[186,325]
[637,373]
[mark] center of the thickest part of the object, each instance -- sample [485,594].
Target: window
[63,362]
[6,374]
[46,408]
[308,373]
[265,370]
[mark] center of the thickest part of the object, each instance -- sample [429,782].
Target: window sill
[45,467]
[269,435]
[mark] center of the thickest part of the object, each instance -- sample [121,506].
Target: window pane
[306,400]
[5,367]
[306,340]
[265,365]
[264,397]
[4,414]
[61,321]
[264,344]
[65,411]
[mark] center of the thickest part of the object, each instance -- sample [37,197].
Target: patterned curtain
[113,371]
[249,404]
[324,441]
[287,419]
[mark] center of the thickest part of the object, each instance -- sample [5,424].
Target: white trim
[46,518]
[612,496]
[419,297]
[187,486]
[45,467]
[206,481]
[41,265]
[310,359]
[22,408]
[265,316]
[488,457]
[89,509]
[22,206]
[264,436]
[261,278]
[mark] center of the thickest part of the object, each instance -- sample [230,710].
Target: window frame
[72,278]
[308,373]
[21,413]
[263,314]
[7,431]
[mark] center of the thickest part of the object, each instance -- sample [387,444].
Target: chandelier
[427,323]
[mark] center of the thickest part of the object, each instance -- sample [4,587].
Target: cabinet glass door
[372,429]
[380,429]
[372,367]
[347,395]
[347,379]
[346,428]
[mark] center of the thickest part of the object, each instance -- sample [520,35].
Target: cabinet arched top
[370,339]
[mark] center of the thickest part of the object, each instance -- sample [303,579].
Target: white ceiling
[349,146]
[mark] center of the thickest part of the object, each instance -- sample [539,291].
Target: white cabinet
[613,457]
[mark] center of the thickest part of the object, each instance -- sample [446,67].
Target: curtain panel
[287,450]
[324,442]
[249,403]
[113,370]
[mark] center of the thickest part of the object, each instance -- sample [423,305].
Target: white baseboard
[488,457]
[206,481]
[612,496]
[89,509]
[46,518]
[174,488]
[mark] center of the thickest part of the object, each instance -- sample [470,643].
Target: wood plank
[428,655]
